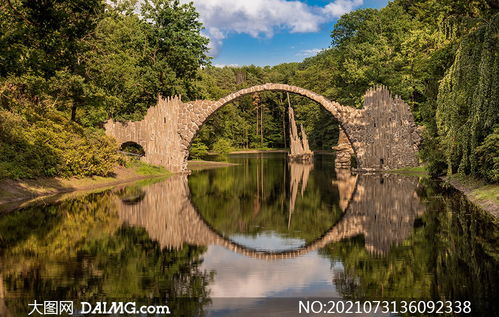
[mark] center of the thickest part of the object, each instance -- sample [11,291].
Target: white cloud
[340,7]
[309,52]
[262,18]
[226,65]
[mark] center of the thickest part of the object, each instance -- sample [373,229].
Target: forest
[68,66]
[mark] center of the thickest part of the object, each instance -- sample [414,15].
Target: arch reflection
[382,208]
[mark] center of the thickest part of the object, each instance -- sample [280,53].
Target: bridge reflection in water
[382,208]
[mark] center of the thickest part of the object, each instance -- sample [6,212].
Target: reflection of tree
[57,230]
[451,255]
[382,208]
[79,250]
[4,311]
[225,198]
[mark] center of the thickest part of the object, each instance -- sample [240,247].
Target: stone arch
[200,112]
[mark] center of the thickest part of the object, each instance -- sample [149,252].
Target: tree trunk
[261,126]
[73,112]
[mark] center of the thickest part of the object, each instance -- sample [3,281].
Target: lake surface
[252,240]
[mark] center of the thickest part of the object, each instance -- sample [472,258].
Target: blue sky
[270,32]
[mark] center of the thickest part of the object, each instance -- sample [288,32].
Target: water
[252,240]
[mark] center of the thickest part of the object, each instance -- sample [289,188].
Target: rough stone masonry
[383,134]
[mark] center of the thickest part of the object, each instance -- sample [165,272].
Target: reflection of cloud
[264,17]
[240,276]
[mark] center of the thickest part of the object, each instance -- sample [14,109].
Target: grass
[479,189]
[468,181]
[142,168]
[418,171]
[487,192]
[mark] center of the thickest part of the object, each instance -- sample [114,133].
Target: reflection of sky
[241,276]
[268,241]
[241,282]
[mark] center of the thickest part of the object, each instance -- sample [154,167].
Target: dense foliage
[468,104]
[261,120]
[68,66]
[37,140]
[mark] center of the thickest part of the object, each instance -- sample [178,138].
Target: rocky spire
[295,144]
[300,150]
[304,140]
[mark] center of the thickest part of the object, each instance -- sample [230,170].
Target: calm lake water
[252,240]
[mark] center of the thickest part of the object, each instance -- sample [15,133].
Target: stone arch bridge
[382,134]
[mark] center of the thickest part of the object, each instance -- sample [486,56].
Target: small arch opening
[133,149]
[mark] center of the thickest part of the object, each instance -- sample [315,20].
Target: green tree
[468,99]
[42,38]
[179,50]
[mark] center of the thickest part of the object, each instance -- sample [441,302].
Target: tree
[178,48]
[42,38]
[468,100]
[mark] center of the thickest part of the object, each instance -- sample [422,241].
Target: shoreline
[479,193]
[198,165]
[20,192]
[258,151]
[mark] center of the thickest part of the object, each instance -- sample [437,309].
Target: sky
[271,32]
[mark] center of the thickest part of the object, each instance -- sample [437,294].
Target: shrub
[198,150]
[222,146]
[38,142]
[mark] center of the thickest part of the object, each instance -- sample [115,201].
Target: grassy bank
[18,190]
[420,171]
[478,191]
